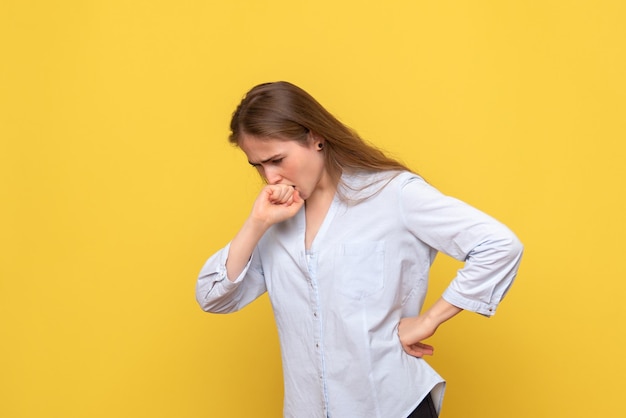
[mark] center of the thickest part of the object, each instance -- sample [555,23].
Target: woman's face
[287,162]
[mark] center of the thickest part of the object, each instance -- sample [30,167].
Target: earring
[320,146]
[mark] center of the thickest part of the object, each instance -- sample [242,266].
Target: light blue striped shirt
[337,306]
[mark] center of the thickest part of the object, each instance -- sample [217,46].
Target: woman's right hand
[276,203]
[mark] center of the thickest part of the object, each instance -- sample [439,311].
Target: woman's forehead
[247,141]
[261,148]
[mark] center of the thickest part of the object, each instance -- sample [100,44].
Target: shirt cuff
[463,302]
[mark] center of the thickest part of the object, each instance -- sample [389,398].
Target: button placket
[317,320]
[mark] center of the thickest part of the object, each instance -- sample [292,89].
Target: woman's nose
[272,175]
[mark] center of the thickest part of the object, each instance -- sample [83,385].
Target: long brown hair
[285,111]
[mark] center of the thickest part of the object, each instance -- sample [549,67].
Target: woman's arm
[274,204]
[490,251]
[413,330]
[229,279]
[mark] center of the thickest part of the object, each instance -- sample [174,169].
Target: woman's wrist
[439,313]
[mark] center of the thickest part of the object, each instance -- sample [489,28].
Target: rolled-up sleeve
[216,293]
[490,250]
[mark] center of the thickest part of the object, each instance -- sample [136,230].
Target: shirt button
[315,314]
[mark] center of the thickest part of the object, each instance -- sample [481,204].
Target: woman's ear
[316,140]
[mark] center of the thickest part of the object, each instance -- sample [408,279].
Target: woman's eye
[277,161]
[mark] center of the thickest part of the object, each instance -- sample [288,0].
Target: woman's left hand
[412,330]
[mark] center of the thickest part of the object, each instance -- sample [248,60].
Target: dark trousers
[426,409]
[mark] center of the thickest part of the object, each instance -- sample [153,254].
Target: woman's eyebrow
[266,160]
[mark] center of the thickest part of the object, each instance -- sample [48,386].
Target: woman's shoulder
[366,177]
[360,185]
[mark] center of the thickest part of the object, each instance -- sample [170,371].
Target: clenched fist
[276,203]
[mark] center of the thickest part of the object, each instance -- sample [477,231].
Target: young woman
[342,238]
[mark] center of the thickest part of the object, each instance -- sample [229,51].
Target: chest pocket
[360,267]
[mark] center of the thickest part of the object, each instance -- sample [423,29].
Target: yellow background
[117,182]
